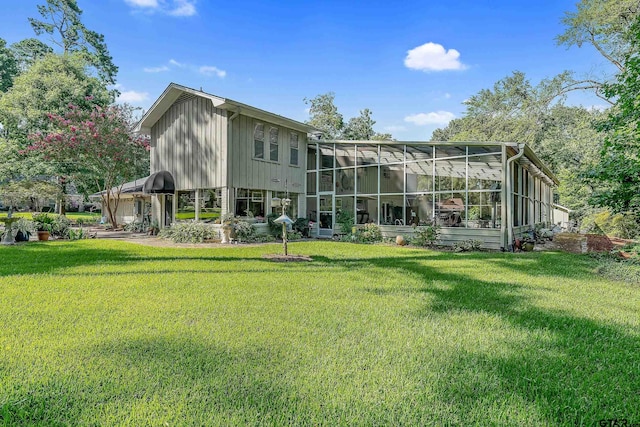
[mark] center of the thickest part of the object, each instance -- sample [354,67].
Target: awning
[159,183]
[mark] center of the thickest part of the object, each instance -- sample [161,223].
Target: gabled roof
[173,92]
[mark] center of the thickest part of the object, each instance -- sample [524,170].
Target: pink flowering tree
[96,149]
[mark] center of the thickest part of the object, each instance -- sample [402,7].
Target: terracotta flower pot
[43,235]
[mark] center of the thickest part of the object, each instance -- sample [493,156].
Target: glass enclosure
[417,184]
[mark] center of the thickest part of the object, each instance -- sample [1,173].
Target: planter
[22,237]
[43,235]
[227,231]
[528,246]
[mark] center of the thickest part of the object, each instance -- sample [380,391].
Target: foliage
[136,227]
[467,246]
[294,235]
[346,221]
[43,222]
[621,225]
[61,20]
[324,116]
[48,87]
[189,232]
[426,236]
[60,226]
[28,51]
[24,226]
[369,233]
[34,194]
[301,225]
[618,173]
[77,234]
[244,231]
[8,66]
[104,150]
[275,229]
[362,335]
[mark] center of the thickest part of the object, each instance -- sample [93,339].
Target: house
[224,156]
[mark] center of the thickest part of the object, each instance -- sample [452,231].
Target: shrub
[622,225]
[301,225]
[77,234]
[244,231]
[189,232]
[274,229]
[294,235]
[135,227]
[370,233]
[467,246]
[61,225]
[344,218]
[426,235]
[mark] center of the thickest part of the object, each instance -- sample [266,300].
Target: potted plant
[23,228]
[44,225]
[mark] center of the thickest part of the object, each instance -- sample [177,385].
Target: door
[325,214]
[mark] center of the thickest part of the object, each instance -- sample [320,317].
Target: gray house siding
[249,172]
[188,141]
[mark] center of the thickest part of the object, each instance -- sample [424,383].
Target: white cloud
[447,95]
[433,57]
[142,3]
[183,8]
[168,7]
[156,69]
[433,118]
[176,63]
[209,70]
[133,97]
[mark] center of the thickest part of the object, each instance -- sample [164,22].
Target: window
[273,144]
[249,200]
[258,141]
[293,149]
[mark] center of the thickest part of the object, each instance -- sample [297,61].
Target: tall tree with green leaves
[61,20]
[8,66]
[48,87]
[96,149]
[604,25]
[618,173]
[325,116]
[28,51]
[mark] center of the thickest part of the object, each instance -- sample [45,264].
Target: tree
[48,87]
[98,148]
[515,110]
[618,173]
[62,22]
[28,51]
[606,26]
[325,116]
[8,66]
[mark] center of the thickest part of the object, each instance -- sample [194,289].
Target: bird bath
[8,236]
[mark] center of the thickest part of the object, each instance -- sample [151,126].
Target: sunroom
[487,191]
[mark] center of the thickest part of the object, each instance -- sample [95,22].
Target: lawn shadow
[157,381]
[574,371]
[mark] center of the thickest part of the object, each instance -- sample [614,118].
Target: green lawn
[110,333]
[87,217]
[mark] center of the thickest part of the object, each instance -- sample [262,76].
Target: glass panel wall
[210,203]
[451,185]
[186,206]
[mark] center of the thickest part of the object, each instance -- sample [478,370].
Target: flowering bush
[97,149]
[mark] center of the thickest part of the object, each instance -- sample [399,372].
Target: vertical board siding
[188,142]
[247,172]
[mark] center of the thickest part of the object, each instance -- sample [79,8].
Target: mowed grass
[111,333]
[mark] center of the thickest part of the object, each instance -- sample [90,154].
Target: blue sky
[412,63]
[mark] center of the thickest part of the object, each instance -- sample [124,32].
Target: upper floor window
[293,149]
[273,144]
[258,141]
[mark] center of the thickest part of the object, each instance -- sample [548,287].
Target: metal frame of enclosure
[490,192]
